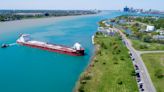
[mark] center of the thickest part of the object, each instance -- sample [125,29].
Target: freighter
[76,50]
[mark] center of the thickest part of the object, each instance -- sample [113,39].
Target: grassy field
[111,69]
[139,45]
[155,65]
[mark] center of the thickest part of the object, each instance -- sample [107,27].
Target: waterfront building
[158,37]
[150,28]
[160,31]
[107,31]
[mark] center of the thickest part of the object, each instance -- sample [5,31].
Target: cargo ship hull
[52,47]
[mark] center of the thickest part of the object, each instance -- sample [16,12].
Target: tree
[158,74]
[46,14]
[147,38]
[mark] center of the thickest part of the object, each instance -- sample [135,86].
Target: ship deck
[50,46]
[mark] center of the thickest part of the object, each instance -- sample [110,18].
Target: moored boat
[76,50]
[4,45]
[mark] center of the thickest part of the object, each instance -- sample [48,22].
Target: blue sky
[81,4]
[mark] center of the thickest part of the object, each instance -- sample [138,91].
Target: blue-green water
[24,69]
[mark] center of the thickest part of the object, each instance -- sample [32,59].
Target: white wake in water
[12,44]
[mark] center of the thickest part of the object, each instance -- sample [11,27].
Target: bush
[103,45]
[115,46]
[83,82]
[99,53]
[81,88]
[98,33]
[143,46]
[158,74]
[104,63]
[122,58]
[120,82]
[96,60]
[115,62]
[147,38]
[118,51]
[133,73]
[87,76]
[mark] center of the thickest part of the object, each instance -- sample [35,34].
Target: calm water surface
[24,69]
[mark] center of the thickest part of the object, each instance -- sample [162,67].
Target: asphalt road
[145,78]
[144,52]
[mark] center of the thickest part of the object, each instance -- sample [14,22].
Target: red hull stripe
[52,50]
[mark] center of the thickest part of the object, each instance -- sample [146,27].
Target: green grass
[101,24]
[143,46]
[155,65]
[111,70]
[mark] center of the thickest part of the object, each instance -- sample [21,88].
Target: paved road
[145,78]
[144,52]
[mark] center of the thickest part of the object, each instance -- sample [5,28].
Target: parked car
[130,53]
[138,75]
[136,67]
[140,82]
[138,79]
[133,59]
[140,86]
[137,71]
[142,90]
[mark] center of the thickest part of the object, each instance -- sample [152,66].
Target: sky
[81,4]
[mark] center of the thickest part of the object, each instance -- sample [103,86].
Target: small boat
[4,45]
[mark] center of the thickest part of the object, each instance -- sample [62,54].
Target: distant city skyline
[81,4]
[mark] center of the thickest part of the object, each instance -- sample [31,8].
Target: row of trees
[8,15]
[157,22]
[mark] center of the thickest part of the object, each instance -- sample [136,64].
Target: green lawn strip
[155,65]
[143,46]
[111,68]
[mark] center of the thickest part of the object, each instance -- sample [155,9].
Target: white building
[150,28]
[160,31]
[158,37]
[107,31]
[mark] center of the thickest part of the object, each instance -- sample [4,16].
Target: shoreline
[10,26]
[86,70]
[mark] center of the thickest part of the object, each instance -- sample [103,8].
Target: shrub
[158,74]
[81,88]
[118,51]
[96,60]
[83,82]
[133,73]
[120,82]
[98,33]
[87,76]
[122,58]
[99,53]
[115,62]
[147,38]
[104,63]
[143,46]
[115,46]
